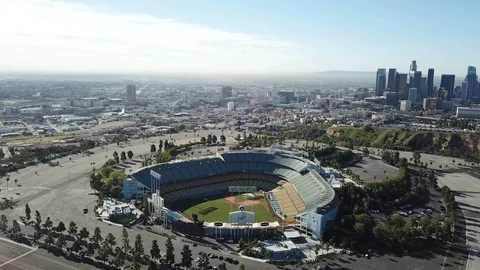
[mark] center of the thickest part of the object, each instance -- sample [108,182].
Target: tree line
[92,247]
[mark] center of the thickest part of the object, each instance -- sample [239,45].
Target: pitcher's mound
[233,200]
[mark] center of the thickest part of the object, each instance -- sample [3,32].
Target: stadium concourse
[292,186]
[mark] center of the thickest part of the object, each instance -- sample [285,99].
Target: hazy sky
[244,36]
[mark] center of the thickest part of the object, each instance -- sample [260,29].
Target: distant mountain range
[345,73]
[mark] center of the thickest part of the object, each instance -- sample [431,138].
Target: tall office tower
[392,72]
[411,73]
[401,85]
[413,66]
[472,80]
[380,81]
[447,81]
[382,78]
[131,93]
[422,93]
[464,91]
[226,91]
[417,79]
[430,76]
[412,95]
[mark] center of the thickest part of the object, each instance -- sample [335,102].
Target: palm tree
[16,181]
[8,179]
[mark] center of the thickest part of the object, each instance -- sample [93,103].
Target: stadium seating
[212,175]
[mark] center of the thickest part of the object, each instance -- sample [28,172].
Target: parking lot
[372,169]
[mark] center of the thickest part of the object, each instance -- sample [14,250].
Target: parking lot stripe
[18,257]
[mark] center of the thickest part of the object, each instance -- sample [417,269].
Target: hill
[443,143]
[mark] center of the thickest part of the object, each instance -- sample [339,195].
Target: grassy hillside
[454,144]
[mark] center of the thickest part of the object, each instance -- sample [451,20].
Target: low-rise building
[466,112]
[405,105]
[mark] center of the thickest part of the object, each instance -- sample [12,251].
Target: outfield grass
[216,209]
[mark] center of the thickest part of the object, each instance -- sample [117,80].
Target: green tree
[416,157]
[48,224]
[76,247]
[203,139]
[152,265]
[153,148]
[214,139]
[138,249]
[242,267]
[49,240]
[61,243]
[130,154]
[241,243]
[115,157]
[96,181]
[103,252]
[83,234]
[106,171]
[72,229]
[169,249]
[28,213]
[366,152]
[155,251]
[60,227]
[123,156]
[209,139]
[160,145]
[125,241]
[3,223]
[38,221]
[119,260]
[222,266]
[223,138]
[15,231]
[204,262]
[96,237]
[186,256]
[111,241]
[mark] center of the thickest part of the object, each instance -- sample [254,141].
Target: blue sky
[238,36]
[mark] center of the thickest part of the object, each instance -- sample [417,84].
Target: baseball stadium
[234,190]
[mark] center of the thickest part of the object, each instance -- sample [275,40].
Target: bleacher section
[308,191]
[289,201]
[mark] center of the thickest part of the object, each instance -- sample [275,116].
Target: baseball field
[217,208]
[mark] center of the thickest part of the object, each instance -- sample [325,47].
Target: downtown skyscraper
[392,72]
[447,82]
[430,76]
[381,81]
[472,83]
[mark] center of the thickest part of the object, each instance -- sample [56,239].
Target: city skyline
[259,38]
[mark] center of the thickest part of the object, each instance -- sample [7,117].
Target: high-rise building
[392,72]
[131,93]
[413,66]
[472,83]
[380,82]
[411,73]
[226,92]
[417,79]
[412,95]
[423,88]
[430,77]
[464,91]
[401,85]
[447,81]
